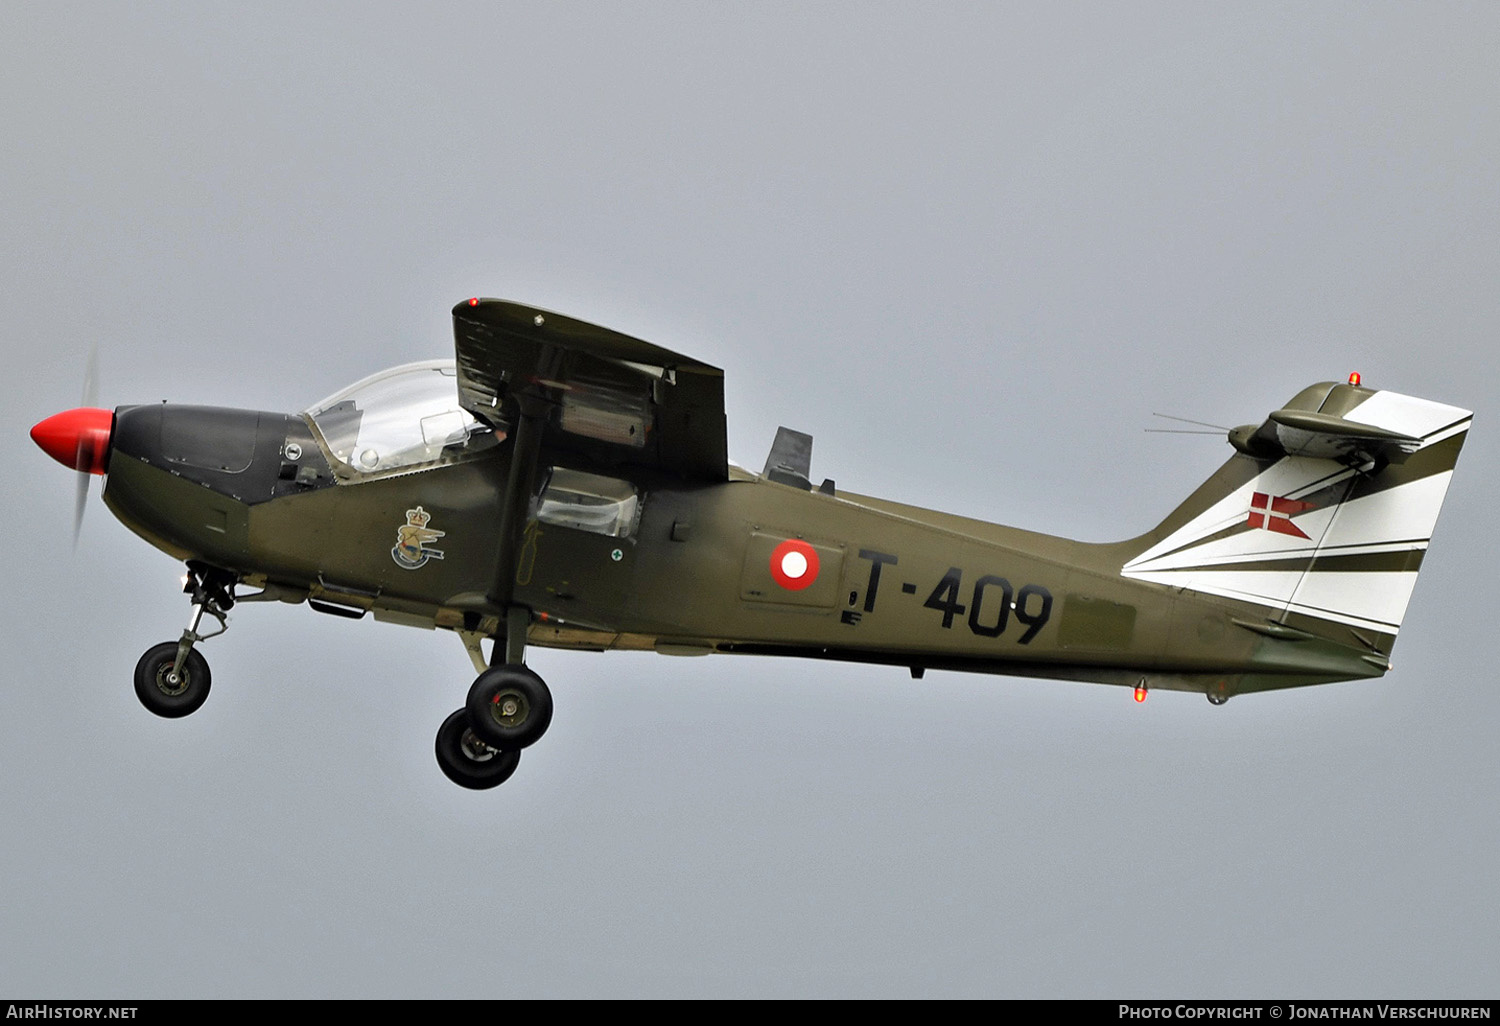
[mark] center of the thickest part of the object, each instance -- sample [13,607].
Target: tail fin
[1322,517]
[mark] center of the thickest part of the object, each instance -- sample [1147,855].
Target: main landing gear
[509,708]
[172,678]
[479,746]
[468,761]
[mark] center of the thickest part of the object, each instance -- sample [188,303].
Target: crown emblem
[414,541]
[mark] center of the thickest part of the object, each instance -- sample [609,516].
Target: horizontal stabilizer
[1321,436]
[1343,423]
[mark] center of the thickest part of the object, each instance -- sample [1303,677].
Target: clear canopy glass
[401,419]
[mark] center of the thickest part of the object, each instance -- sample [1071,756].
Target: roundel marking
[794,564]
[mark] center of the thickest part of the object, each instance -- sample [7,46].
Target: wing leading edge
[605,395]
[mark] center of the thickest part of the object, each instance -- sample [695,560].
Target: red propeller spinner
[77,438]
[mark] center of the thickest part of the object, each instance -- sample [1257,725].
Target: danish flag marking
[1275,512]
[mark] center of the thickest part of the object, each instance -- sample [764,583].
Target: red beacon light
[1140,692]
[1354,377]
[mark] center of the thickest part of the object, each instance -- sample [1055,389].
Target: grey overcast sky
[970,248]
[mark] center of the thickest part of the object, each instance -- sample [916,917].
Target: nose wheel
[168,689]
[172,679]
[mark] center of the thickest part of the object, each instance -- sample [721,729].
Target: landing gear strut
[509,708]
[172,679]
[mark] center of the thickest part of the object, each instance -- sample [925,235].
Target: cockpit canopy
[399,420]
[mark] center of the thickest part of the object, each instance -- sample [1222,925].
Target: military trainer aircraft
[564,485]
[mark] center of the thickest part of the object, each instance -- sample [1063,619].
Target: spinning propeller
[79,439]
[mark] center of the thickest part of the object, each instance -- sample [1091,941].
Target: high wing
[605,395]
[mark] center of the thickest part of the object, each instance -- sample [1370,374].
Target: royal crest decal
[413,540]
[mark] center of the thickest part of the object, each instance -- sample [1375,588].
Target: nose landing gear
[172,679]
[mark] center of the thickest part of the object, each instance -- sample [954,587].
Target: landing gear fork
[213,593]
[172,679]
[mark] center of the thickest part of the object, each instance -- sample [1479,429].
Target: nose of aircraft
[77,438]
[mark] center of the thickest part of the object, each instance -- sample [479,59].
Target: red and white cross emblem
[1274,513]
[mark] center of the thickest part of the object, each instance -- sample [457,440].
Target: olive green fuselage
[875,581]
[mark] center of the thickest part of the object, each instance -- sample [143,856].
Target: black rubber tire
[163,698]
[498,687]
[461,767]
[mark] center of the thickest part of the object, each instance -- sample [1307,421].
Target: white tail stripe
[1407,511]
[1195,560]
[1373,601]
[1394,518]
[1448,432]
[1291,477]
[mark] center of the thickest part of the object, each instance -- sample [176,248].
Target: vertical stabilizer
[1325,515]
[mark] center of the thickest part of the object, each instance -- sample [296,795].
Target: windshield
[400,419]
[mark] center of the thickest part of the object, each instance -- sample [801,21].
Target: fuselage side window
[589,502]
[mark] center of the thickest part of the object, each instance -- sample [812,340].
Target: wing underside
[604,395]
